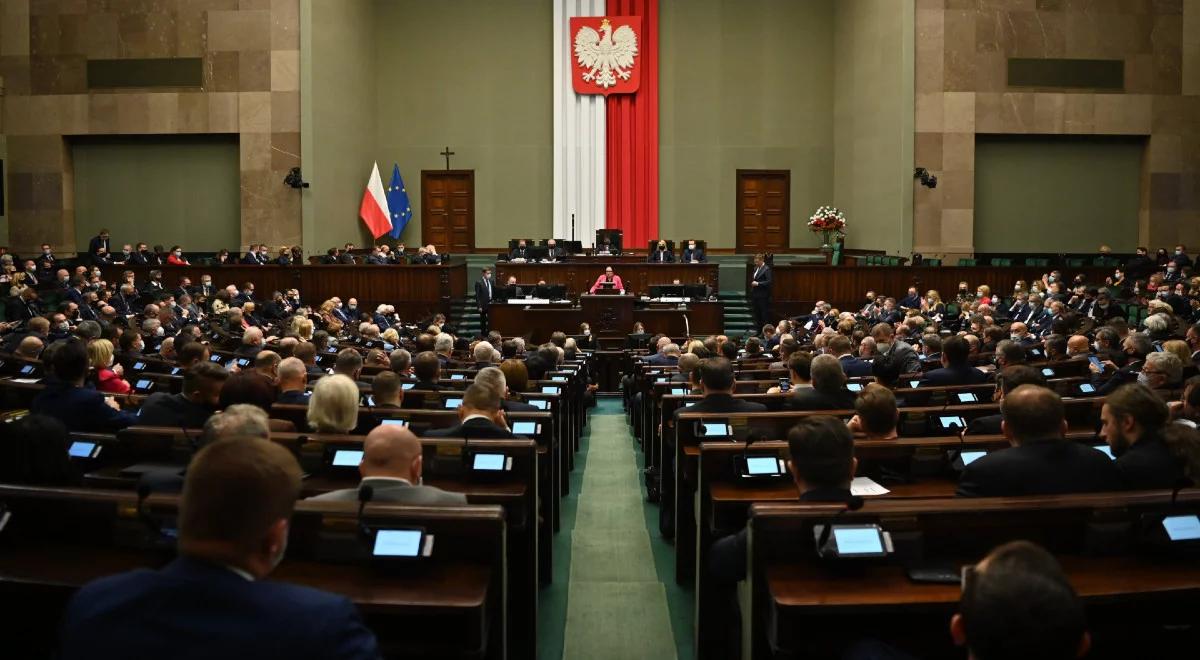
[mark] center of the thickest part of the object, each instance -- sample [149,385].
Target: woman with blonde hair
[1178,347]
[333,406]
[391,336]
[932,304]
[108,374]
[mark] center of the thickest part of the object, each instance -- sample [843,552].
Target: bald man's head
[1032,412]
[391,451]
[1077,345]
[292,375]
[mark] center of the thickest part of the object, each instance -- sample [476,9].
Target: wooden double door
[448,210]
[763,210]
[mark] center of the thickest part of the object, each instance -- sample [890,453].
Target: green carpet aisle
[616,602]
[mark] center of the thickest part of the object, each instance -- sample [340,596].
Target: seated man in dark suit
[519,252]
[293,382]
[495,379]
[828,391]
[192,407]
[716,383]
[822,464]
[853,367]
[899,351]
[480,417]
[80,408]
[428,369]
[391,468]
[956,366]
[1007,381]
[1134,420]
[212,602]
[693,254]
[1041,461]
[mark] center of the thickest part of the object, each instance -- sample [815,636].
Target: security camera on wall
[928,180]
[294,180]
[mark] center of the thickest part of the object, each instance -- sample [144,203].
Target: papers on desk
[866,487]
[26,381]
[529,301]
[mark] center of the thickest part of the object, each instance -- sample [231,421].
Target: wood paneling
[579,276]
[763,210]
[417,291]
[609,316]
[845,287]
[448,209]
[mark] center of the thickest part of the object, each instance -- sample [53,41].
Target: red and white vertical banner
[579,130]
[609,75]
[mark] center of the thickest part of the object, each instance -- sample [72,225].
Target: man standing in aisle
[760,291]
[483,298]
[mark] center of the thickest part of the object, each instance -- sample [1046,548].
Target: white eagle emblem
[609,56]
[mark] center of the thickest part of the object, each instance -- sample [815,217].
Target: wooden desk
[454,606]
[611,316]
[579,276]
[422,290]
[797,287]
[1129,590]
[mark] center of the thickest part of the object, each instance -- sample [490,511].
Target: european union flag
[398,204]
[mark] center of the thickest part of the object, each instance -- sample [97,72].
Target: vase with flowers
[827,220]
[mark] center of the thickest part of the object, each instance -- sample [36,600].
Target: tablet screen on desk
[858,541]
[969,457]
[679,391]
[717,430]
[347,457]
[760,466]
[394,422]
[550,389]
[80,449]
[453,403]
[1182,528]
[526,428]
[1087,388]
[143,384]
[967,397]
[952,422]
[397,543]
[1048,372]
[458,376]
[407,386]
[488,462]
[540,404]
[1106,450]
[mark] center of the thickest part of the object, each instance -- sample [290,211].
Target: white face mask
[159,331]
[1143,379]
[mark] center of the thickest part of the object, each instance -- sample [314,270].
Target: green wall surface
[337,118]
[874,109]
[159,189]
[745,84]
[477,77]
[1058,194]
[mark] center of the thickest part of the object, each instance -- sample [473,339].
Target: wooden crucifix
[447,153]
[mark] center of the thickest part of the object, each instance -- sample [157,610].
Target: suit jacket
[1047,466]
[483,293]
[96,243]
[662,360]
[162,409]
[693,255]
[293,397]
[855,367]
[809,398]
[986,425]
[519,253]
[1149,465]
[762,275]
[722,403]
[194,609]
[510,405]
[474,429]
[904,354]
[661,257]
[396,491]
[80,409]
[954,375]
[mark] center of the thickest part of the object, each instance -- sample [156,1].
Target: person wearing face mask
[1173,275]
[1140,265]
[1136,347]
[964,294]
[1180,258]
[1105,308]
[1020,310]
[660,254]
[213,596]
[693,254]
[912,300]
[46,263]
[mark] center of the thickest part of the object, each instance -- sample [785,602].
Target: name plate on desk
[529,301]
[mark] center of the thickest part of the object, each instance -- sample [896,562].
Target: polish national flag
[374,208]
